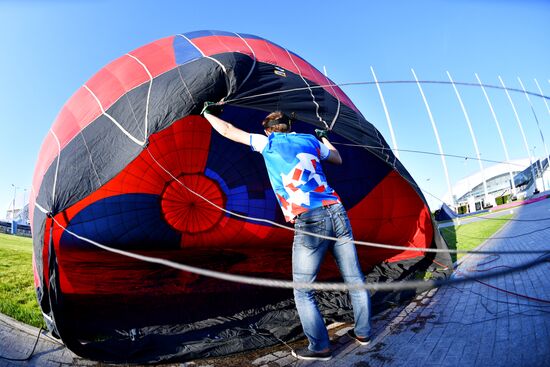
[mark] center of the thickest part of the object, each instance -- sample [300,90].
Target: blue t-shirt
[295,172]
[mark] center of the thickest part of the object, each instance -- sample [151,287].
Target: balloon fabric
[129,163]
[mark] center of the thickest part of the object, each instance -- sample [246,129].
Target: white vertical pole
[520,128]
[544,99]
[474,140]
[547,108]
[540,131]
[499,134]
[436,138]
[13,206]
[388,119]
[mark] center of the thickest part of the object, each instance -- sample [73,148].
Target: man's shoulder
[258,142]
[304,136]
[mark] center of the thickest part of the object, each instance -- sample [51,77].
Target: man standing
[293,162]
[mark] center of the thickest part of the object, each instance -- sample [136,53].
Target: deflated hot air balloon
[129,164]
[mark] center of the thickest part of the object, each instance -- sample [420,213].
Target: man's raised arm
[334,155]
[225,128]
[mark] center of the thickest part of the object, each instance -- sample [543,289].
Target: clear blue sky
[48,49]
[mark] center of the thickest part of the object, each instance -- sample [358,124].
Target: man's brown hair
[276,122]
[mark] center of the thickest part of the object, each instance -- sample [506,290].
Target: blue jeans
[308,253]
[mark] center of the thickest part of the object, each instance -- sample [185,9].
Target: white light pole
[520,128]
[468,188]
[538,165]
[440,147]
[13,224]
[386,112]
[26,217]
[474,140]
[540,130]
[499,134]
[13,204]
[544,99]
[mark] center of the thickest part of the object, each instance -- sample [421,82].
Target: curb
[15,324]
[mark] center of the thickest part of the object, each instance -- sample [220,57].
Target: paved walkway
[502,321]
[17,341]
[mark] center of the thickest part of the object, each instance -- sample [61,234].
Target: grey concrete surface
[501,321]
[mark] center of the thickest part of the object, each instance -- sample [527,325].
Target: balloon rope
[429,153]
[412,183]
[329,286]
[332,85]
[361,243]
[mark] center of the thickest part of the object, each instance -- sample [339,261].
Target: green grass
[471,235]
[17,294]
[495,209]
[18,297]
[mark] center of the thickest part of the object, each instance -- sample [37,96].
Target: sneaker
[307,354]
[363,340]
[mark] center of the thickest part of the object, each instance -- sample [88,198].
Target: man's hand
[212,108]
[334,155]
[223,127]
[321,133]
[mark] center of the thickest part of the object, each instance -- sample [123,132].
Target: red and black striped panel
[139,66]
[119,92]
[130,164]
[153,204]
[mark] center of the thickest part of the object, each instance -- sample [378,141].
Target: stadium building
[472,194]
